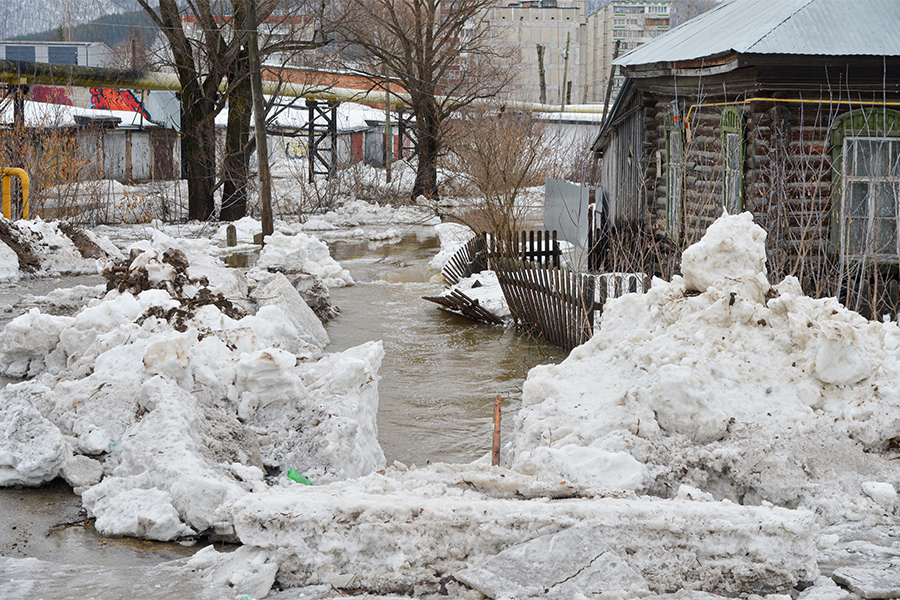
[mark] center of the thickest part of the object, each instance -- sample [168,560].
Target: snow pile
[453,236]
[305,254]
[46,249]
[750,392]
[164,401]
[394,531]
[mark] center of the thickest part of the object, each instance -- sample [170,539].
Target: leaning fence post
[495,455]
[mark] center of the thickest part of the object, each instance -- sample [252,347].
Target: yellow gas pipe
[6,173]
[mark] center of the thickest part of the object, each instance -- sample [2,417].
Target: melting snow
[717,435]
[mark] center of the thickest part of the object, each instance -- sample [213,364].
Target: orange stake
[495,459]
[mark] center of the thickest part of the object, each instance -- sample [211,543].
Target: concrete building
[521,27]
[630,24]
[82,54]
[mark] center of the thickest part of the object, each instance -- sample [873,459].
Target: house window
[733,150]
[871,188]
[867,144]
[674,173]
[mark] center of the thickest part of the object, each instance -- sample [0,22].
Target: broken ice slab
[315,592]
[872,581]
[394,529]
[29,578]
[555,566]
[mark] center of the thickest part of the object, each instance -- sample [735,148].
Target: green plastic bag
[293,474]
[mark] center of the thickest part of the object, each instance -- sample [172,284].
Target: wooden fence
[557,304]
[460,303]
[560,305]
[541,247]
[465,262]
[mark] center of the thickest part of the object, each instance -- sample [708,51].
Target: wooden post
[388,133]
[565,70]
[543,81]
[495,456]
[262,150]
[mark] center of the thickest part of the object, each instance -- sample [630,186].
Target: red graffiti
[50,95]
[113,99]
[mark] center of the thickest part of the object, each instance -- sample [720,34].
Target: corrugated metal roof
[806,27]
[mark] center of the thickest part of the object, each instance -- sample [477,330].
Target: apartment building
[520,27]
[558,28]
[630,23]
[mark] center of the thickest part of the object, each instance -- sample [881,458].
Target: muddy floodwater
[439,378]
[441,372]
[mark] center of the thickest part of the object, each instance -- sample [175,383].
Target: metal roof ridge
[749,49]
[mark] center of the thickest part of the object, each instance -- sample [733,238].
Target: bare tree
[685,10]
[498,154]
[201,65]
[215,51]
[442,56]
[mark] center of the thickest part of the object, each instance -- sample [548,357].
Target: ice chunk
[247,570]
[882,493]
[32,450]
[279,292]
[143,513]
[27,340]
[305,254]
[398,528]
[82,472]
[871,581]
[730,256]
[574,563]
[9,264]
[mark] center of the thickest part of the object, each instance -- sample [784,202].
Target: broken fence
[478,254]
[562,306]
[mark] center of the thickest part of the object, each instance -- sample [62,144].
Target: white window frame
[851,177]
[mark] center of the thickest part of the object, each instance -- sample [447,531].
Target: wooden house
[788,109]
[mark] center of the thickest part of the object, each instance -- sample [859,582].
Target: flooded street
[441,372]
[439,378]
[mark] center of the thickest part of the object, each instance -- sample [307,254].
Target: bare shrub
[497,154]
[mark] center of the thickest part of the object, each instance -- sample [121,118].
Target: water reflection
[441,372]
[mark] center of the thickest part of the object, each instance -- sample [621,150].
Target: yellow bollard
[6,173]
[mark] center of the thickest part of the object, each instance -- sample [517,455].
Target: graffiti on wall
[293,147]
[113,99]
[50,95]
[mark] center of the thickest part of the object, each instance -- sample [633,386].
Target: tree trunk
[236,164]
[428,147]
[198,136]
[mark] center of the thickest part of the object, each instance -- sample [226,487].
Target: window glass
[674,175]
[732,146]
[871,182]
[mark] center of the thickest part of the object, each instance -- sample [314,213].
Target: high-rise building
[628,23]
[521,27]
[558,28]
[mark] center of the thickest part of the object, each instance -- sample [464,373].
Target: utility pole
[566,70]
[543,81]
[609,84]
[259,116]
[388,133]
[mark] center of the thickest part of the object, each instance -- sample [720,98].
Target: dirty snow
[754,393]
[180,399]
[718,435]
